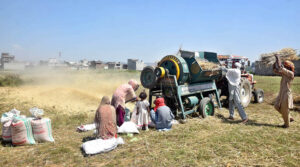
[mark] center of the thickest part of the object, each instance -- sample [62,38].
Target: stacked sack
[21,130]
[16,128]
[6,121]
[41,127]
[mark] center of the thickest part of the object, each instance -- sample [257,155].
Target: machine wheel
[245,92]
[148,78]
[206,107]
[258,96]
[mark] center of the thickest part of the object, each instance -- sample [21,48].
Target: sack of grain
[101,146]
[6,131]
[21,131]
[42,131]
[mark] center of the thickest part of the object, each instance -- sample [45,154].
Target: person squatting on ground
[122,95]
[105,120]
[234,78]
[162,115]
[142,110]
[284,100]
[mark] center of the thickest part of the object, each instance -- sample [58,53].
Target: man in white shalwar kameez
[234,78]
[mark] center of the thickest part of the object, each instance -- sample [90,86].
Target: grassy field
[70,99]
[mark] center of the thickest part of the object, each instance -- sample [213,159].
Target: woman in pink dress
[105,120]
[122,95]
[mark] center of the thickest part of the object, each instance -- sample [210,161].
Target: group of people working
[284,100]
[111,114]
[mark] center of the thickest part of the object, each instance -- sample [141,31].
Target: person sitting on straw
[162,115]
[105,120]
[122,95]
[234,78]
[284,100]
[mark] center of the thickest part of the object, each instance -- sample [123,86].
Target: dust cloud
[70,91]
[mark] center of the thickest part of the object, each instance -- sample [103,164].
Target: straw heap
[206,65]
[284,54]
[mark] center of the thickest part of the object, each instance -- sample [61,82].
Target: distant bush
[10,80]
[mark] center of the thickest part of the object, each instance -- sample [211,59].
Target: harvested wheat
[207,65]
[284,54]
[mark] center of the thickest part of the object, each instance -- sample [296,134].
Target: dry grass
[72,99]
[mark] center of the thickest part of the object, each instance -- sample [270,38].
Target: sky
[115,30]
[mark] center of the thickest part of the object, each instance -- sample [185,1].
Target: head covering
[105,100]
[238,65]
[233,76]
[159,102]
[133,83]
[289,65]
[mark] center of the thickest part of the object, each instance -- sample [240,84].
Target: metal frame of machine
[186,87]
[190,95]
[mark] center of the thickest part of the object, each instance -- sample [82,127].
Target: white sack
[42,131]
[88,127]
[128,127]
[21,132]
[100,146]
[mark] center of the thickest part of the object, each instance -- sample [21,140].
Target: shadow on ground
[250,122]
[5,143]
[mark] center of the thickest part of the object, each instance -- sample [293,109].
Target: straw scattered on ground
[214,141]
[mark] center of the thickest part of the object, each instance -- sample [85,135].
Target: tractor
[248,89]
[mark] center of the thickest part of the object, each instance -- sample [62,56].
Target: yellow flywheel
[174,61]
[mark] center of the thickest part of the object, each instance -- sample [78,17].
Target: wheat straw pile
[206,65]
[285,54]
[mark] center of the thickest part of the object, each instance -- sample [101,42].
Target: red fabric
[120,115]
[159,102]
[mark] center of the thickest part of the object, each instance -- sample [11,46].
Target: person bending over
[122,95]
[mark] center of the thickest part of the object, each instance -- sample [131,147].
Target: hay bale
[207,65]
[284,54]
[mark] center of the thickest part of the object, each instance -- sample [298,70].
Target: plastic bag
[128,127]
[100,146]
[87,127]
[8,116]
[36,112]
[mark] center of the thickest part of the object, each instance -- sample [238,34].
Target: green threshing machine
[184,84]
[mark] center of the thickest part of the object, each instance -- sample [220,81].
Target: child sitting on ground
[142,110]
